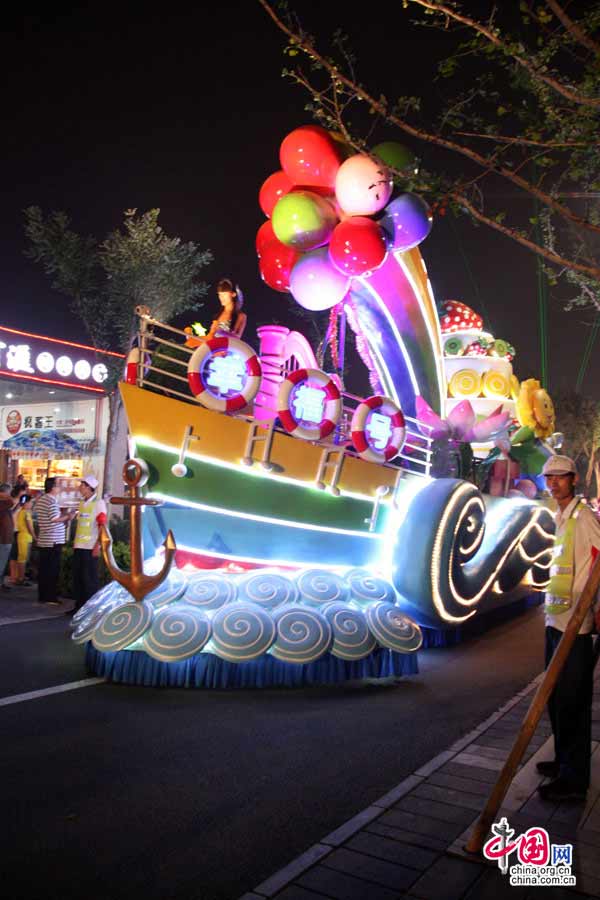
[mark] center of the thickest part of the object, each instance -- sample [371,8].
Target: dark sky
[108,107]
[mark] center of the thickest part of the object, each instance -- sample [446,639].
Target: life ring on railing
[250,373]
[331,412]
[360,436]
[132,365]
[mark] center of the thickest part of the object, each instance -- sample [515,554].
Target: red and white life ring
[132,365]
[201,391]
[359,434]
[331,413]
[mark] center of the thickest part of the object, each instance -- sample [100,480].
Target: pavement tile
[434,764]
[449,795]
[569,813]
[407,837]
[399,791]
[341,834]
[422,824]
[392,851]
[447,879]
[587,859]
[587,884]
[493,885]
[467,785]
[295,892]
[480,762]
[464,770]
[371,869]
[341,886]
[283,877]
[443,811]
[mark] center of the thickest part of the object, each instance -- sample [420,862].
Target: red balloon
[272,190]
[276,262]
[357,245]
[310,157]
[264,236]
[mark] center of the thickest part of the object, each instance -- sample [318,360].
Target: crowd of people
[26,522]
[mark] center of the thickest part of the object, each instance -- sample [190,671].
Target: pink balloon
[276,186]
[315,283]
[357,245]
[363,186]
[310,157]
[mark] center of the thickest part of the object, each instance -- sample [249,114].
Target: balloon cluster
[321,205]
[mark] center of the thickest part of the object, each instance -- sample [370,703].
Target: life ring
[200,390]
[333,405]
[359,434]
[132,365]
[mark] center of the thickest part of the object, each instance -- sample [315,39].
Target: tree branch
[520,140]
[336,76]
[572,27]
[489,35]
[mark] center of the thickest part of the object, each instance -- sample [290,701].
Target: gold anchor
[135,475]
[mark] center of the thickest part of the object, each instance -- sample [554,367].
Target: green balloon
[303,220]
[395,155]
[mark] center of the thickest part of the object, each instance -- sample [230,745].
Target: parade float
[285,530]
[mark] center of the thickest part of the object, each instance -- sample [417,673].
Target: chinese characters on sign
[308,404]
[226,373]
[77,418]
[539,861]
[58,360]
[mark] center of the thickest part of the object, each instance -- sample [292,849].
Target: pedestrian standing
[570,705]
[50,541]
[91,514]
[6,530]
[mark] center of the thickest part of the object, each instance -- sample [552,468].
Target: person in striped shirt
[50,540]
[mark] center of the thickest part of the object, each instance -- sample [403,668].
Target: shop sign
[36,358]
[76,418]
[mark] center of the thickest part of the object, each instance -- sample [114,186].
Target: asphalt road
[113,792]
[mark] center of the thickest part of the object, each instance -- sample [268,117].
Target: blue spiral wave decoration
[86,624]
[122,626]
[210,592]
[177,632]
[392,628]
[242,631]
[452,553]
[170,590]
[367,588]
[351,636]
[98,600]
[318,587]
[303,634]
[267,589]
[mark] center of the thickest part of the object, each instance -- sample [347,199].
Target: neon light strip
[43,337]
[395,332]
[249,470]
[268,520]
[435,339]
[66,384]
[293,564]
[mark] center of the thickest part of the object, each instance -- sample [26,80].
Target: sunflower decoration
[535,409]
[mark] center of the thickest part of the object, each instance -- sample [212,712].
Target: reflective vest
[86,522]
[560,588]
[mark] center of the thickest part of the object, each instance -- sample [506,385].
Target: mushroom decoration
[457,316]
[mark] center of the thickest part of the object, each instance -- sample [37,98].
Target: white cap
[91,481]
[559,465]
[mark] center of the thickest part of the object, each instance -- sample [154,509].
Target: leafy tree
[578,418]
[105,281]
[526,126]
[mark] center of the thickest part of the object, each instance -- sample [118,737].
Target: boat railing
[162,360]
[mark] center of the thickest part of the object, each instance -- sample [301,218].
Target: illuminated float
[313,545]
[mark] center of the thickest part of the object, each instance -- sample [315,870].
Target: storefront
[54,412]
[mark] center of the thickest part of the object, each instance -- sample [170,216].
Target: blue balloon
[406,222]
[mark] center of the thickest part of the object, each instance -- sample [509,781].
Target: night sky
[108,107]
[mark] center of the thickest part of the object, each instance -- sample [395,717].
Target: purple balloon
[406,222]
[315,283]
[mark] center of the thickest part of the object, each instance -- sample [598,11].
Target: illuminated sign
[32,357]
[379,430]
[76,418]
[308,403]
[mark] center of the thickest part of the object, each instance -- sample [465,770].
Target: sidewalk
[410,842]
[19,604]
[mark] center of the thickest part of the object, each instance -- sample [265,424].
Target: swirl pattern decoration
[392,628]
[86,625]
[447,564]
[242,631]
[121,627]
[351,636]
[267,589]
[177,633]
[98,600]
[210,592]
[170,590]
[303,635]
[320,586]
[367,588]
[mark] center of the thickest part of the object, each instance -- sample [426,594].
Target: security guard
[86,547]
